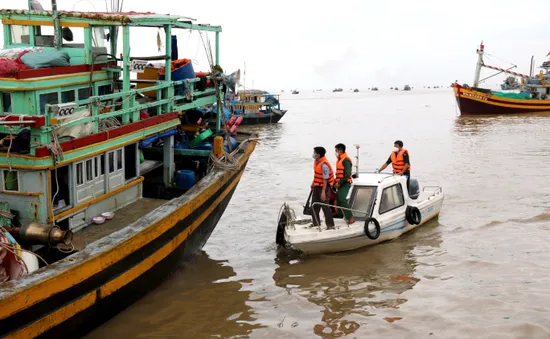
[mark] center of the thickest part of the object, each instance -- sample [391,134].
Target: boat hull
[473,102]
[354,237]
[71,297]
[257,119]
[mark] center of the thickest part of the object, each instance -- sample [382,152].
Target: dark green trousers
[341,199]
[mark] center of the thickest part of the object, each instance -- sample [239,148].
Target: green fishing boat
[104,190]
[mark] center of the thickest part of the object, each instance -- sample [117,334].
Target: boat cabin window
[104,90]
[11,180]
[102,164]
[89,170]
[5,103]
[83,93]
[48,98]
[19,34]
[79,174]
[392,198]
[68,96]
[361,199]
[111,162]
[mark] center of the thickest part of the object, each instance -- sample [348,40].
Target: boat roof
[252,92]
[109,18]
[375,179]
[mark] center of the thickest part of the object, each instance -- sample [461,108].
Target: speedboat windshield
[361,201]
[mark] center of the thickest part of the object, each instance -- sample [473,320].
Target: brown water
[481,271]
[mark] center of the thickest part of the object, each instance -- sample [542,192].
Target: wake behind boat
[382,208]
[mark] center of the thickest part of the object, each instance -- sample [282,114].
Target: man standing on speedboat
[323,179]
[399,159]
[343,181]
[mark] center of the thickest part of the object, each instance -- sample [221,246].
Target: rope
[290,215]
[108,123]
[7,214]
[55,147]
[71,250]
[12,249]
[226,162]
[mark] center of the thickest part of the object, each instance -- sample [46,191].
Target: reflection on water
[205,304]
[351,287]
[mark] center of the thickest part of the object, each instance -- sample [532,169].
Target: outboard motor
[414,188]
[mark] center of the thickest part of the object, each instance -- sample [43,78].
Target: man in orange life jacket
[343,180]
[323,179]
[399,159]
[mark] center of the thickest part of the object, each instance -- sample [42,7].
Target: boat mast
[56,29]
[479,64]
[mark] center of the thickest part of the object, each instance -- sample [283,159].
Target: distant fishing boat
[375,88]
[337,90]
[407,88]
[252,107]
[355,90]
[295,92]
[532,98]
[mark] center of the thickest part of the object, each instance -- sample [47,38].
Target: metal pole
[57,30]
[217,48]
[479,64]
[357,161]
[219,110]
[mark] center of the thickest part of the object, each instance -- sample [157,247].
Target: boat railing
[335,206]
[123,105]
[433,188]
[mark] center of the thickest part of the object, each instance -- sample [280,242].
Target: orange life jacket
[318,172]
[340,167]
[398,161]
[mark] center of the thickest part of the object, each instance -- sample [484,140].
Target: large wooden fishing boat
[102,184]
[533,96]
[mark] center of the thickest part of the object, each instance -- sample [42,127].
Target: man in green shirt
[343,181]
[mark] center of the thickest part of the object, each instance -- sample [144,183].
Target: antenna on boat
[357,161]
[532,68]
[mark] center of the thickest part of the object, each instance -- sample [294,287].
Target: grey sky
[326,44]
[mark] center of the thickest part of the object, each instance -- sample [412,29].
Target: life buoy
[413,215]
[368,232]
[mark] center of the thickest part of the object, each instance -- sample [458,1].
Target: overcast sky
[306,44]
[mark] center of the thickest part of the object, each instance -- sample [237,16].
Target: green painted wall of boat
[30,208]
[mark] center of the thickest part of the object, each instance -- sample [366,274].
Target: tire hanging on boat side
[413,215]
[376,234]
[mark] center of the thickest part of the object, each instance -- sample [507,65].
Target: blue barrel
[185,179]
[233,143]
[181,73]
[204,146]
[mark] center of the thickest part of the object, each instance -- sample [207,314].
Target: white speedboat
[383,209]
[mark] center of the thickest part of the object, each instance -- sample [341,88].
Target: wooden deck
[122,218]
